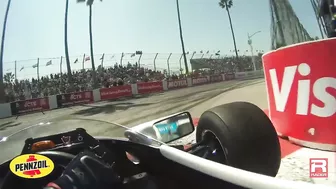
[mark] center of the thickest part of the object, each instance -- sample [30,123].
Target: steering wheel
[60,159]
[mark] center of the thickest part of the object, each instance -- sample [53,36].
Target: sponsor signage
[150,87]
[31,105]
[302,92]
[115,92]
[240,75]
[216,78]
[229,76]
[175,84]
[200,80]
[250,73]
[31,166]
[70,99]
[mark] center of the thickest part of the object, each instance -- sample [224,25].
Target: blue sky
[36,29]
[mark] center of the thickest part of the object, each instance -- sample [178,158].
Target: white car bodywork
[223,172]
[233,175]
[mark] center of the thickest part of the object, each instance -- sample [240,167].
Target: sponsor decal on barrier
[301,91]
[250,73]
[74,98]
[175,84]
[200,80]
[304,89]
[31,166]
[229,76]
[31,105]
[115,92]
[150,87]
[216,78]
[240,75]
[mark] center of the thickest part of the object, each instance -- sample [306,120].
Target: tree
[181,37]
[66,47]
[2,86]
[9,77]
[227,4]
[90,3]
[91,45]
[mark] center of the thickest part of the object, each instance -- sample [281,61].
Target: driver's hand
[86,171]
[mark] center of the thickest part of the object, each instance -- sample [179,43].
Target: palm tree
[2,87]
[66,44]
[9,77]
[181,37]
[89,3]
[227,4]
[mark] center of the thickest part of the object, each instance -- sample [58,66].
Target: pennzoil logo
[31,166]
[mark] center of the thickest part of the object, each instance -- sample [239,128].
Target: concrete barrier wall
[65,100]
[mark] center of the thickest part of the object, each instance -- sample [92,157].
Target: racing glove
[86,171]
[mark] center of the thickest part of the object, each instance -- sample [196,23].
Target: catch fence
[286,28]
[39,67]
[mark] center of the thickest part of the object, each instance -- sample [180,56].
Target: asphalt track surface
[128,112]
[131,112]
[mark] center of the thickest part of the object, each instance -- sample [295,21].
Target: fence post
[61,65]
[83,61]
[15,70]
[168,63]
[154,61]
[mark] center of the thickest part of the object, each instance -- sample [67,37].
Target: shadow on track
[107,108]
[4,126]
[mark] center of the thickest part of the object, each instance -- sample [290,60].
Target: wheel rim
[218,153]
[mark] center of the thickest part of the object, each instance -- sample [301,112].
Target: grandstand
[227,63]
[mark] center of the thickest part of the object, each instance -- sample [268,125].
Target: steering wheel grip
[59,158]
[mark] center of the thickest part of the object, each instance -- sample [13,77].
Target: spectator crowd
[82,81]
[106,77]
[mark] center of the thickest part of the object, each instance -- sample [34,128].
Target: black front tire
[246,134]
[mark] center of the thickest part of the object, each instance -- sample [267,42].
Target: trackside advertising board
[31,105]
[200,80]
[301,91]
[216,78]
[115,92]
[150,87]
[229,76]
[177,84]
[70,99]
